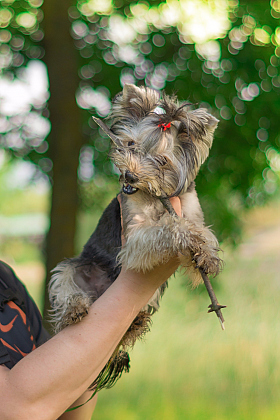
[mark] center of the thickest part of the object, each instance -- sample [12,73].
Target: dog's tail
[112,371]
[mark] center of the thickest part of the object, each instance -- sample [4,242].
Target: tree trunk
[65,139]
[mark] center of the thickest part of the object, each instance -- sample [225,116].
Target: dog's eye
[131,143]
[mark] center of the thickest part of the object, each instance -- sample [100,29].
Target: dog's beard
[159,176]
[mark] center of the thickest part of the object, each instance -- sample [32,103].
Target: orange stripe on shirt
[9,326]
[21,352]
[12,305]
[8,345]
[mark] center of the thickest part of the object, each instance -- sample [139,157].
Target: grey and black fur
[158,145]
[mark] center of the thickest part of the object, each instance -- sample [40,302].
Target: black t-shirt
[21,329]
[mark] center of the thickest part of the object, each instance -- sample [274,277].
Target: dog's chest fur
[141,209]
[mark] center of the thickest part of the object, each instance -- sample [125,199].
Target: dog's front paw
[76,310]
[75,314]
[209,263]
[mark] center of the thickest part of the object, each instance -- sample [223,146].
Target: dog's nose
[130,178]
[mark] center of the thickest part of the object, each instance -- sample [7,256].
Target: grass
[188,368]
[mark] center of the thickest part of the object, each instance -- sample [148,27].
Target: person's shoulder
[10,279]
[25,301]
[5,270]
[8,276]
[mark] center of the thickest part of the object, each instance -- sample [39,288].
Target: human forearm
[48,380]
[85,411]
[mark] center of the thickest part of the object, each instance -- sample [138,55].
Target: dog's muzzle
[129,189]
[129,179]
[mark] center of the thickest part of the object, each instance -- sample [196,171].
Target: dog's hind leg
[69,302]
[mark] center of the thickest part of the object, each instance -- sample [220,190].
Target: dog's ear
[107,130]
[202,126]
[131,92]
[136,101]
[199,128]
[200,118]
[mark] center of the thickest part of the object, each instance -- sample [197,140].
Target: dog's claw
[79,316]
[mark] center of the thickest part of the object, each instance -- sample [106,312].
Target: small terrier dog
[158,145]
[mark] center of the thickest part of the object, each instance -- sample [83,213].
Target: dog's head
[158,144]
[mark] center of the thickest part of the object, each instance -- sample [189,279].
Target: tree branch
[215,306]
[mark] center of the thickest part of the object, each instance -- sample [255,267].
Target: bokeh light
[216,54]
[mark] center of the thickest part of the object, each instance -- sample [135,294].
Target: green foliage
[24,195]
[23,210]
[234,74]
[20,34]
[22,250]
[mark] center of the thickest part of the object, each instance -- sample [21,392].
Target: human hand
[148,282]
